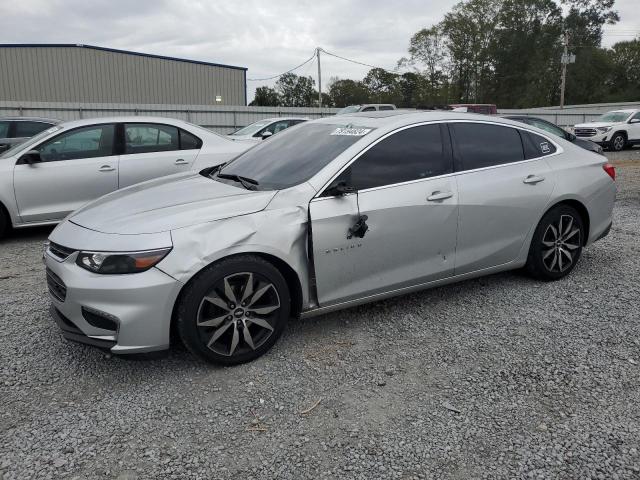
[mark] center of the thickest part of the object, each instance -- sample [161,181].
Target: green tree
[265,97]
[383,86]
[295,91]
[625,72]
[525,54]
[348,92]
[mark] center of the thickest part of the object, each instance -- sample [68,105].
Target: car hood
[169,203]
[593,125]
[244,138]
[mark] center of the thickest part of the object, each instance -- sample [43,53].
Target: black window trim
[444,124]
[64,132]
[446,145]
[121,144]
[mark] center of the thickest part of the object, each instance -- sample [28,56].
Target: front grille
[59,251]
[57,288]
[585,132]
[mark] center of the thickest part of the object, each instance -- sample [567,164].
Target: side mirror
[571,137]
[634,120]
[266,134]
[339,189]
[31,157]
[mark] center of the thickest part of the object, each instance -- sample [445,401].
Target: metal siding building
[88,74]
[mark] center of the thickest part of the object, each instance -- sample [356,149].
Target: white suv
[616,130]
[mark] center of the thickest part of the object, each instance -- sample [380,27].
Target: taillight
[610,169]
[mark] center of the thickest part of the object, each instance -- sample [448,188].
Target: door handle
[533,179]
[181,161]
[106,168]
[437,195]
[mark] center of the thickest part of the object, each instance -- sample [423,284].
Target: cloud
[268,38]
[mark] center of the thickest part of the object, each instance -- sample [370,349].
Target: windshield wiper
[246,182]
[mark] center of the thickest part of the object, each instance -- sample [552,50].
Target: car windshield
[29,143]
[294,155]
[251,129]
[349,109]
[614,117]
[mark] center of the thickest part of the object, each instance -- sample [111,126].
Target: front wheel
[556,244]
[234,311]
[618,142]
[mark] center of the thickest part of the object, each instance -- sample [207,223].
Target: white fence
[227,119]
[220,119]
[571,114]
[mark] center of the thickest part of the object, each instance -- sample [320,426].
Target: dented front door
[411,239]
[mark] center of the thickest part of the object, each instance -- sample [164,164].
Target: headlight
[120,262]
[603,129]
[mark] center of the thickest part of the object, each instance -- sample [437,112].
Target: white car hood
[593,125]
[169,203]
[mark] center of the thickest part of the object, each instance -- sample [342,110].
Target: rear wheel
[557,244]
[234,311]
[618,142]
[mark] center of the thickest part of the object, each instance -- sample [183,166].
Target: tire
[552,257]
[4,222]
[618,142]
[223,320]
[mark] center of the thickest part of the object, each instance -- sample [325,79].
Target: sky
[266,37]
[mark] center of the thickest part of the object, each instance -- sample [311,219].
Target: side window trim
[446,145]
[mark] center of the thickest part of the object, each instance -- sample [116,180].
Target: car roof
[626,110]
[30,119]
[399,118]
[275,119]
[131,119]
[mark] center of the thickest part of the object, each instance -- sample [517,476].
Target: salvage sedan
[336,212]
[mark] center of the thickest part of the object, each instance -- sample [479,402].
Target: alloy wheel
[559,243]
[239,314]
[618,143]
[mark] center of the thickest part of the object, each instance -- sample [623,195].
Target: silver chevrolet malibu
[326,215]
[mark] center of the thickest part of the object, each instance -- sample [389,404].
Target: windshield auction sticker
[351,132]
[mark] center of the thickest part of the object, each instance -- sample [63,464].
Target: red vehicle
[486,108]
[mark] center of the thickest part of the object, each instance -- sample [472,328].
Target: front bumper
[121,313]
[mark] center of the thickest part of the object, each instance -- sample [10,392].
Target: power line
[281,74]
[359,63]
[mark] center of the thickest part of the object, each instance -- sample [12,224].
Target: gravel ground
[500,377]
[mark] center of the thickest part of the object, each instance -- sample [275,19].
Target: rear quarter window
[536,146]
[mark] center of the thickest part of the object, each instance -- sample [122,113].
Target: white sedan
[67,165]
[265,128]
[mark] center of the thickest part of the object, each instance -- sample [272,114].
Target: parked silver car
[15,130]
[45,178]
[265,128]
[331,214]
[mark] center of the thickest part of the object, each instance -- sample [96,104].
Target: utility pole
[318,50]
[565,60]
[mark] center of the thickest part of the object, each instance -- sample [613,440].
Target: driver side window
[86,142]
[411,154]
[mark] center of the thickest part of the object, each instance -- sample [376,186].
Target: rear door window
[4,129]
[411,154]
[481,145]
[150,137]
